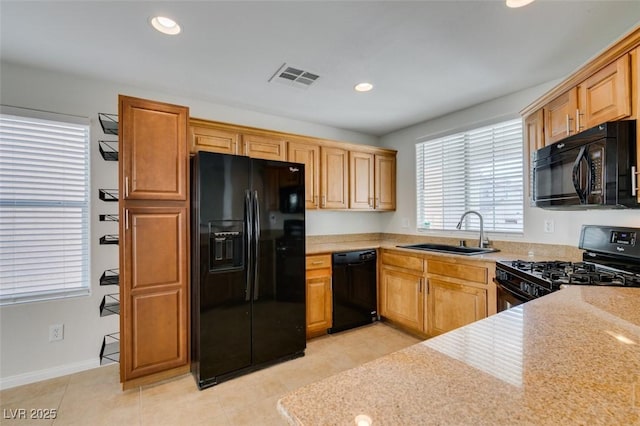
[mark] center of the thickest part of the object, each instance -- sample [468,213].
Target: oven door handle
[582,192]
[513,293]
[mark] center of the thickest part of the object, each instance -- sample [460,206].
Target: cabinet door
[267,148]
[214,140]
[559,117]
[334,184]
[309,155]
[401,298]
[154,291]
[605,96]
[319,303]
[385,182]
[153,142]
[361,180]
[533,141]
[453,305]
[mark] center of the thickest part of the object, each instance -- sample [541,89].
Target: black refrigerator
[248,265]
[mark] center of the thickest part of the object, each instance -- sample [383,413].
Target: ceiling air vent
[294,77]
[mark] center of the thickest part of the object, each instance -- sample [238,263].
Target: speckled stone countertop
[572,357]
[508,250]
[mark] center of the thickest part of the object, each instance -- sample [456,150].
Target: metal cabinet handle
[126,219]
[578,126]
[126,187]
[569,124]
[318,262]
[324,201]
[634,180]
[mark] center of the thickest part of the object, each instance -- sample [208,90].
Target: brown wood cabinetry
[534,132]
[605,96]
[452,305]
[334,178]
[559,117]
[401,289]
[457,294]
[328,174]
[205,137]
[319,297]
[385,182]
[154,328]
[153,148]
[431,295]
[308,154]
[154,235]
[265,147]
[372,181]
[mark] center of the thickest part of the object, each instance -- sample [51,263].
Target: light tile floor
[95,397]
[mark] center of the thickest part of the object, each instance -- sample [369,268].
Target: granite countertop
[571,357]
[332,247]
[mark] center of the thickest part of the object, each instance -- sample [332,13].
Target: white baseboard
[49,373]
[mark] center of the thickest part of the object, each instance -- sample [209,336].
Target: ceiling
[425,58]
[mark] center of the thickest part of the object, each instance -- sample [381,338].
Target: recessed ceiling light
[363,87]
[165,25]
[518,3]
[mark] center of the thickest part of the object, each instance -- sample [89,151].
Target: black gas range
[611,258]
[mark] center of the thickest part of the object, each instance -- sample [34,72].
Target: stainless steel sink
[444,248]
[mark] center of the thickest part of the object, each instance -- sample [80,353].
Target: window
[44,207]
[480,170]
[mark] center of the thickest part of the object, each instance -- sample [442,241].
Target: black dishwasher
[354,289]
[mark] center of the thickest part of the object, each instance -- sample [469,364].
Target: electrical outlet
[405,222]
[549,226]
[56,332]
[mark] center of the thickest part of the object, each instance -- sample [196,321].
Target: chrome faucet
[482,242]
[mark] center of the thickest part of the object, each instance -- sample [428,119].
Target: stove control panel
[623,237]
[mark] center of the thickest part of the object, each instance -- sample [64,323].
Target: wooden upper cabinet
[372,181]
[334,178]
[211,139]
[309,155]
[559,117]
[385,182]
[154,157]
[361,180]
[534,132]
[265,147]
[606,95]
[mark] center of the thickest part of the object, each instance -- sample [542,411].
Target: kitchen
[55,91]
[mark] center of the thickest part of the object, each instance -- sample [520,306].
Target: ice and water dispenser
[226,245]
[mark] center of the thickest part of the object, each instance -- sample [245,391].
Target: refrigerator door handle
[248,212]
[256,220]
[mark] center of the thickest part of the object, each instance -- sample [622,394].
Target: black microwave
[596,168]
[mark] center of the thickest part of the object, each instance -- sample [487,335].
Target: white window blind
[480,170]
[44,209]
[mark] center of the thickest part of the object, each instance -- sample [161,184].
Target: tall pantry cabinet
[154,235]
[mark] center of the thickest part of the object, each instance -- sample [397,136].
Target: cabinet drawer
[403,261]
[478,274]
[320,261]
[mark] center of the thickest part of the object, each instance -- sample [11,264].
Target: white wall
[25,353]
[567,224]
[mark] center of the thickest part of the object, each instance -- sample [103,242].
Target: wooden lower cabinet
[431,295]
[401,299]
[319,295]
[154,304]
[452,305]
